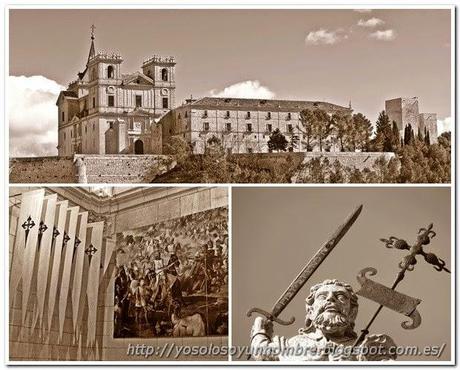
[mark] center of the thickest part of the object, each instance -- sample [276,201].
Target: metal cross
[55,232]
[65,240]
[41,229]
[55,235]
[408,263]
[27,225]
[93,27]
[90,251]
[75,246]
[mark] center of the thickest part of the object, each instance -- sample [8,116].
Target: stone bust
[328,335]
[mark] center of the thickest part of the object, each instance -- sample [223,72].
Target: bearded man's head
[332,307]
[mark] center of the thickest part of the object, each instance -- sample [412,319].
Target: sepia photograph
[106,273]
[231,184]
[172,278]
[343,274]
[186,96]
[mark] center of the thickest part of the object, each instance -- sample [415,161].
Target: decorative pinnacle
[93,27]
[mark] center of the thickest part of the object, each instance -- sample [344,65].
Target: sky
[332,55]
[277,230]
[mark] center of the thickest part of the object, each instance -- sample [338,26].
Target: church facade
[107,112]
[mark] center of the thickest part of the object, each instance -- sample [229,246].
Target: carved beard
[330,322]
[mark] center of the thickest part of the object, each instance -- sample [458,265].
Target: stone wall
[358,160]
[89,168]
[124,168]
[42,170]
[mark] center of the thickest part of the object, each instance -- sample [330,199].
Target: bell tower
[162,71]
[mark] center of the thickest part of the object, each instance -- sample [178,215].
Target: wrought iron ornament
[41,229]
[90,251]
[65,239]
[27,225]
[387,297]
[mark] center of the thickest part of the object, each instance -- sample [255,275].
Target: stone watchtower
[162,71]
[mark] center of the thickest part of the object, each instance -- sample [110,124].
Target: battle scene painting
[171,278]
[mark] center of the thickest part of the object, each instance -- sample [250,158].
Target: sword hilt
[270,317]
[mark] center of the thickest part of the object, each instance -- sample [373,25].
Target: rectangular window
[248,115]
[228,126]
[269,127]
[227,115]
[63,117]
[110,124]
[269,115]
[94,102]
[165,103]
[111,101]
[249,127]
[205,114]
[289,127]
[288,116]
[138,101]
[206,126]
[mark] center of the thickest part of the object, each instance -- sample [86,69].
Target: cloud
[32,115]
[245,89]
[444,125]
[371,22]
[325,37]
[387,35]
[362,10]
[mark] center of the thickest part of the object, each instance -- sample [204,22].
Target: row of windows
[248,115]
[111,73]
[249,128]
[111,101]
[251,150]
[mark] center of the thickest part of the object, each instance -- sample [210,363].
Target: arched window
[164,74]
[110,72]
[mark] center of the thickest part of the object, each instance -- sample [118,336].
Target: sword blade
[314,263]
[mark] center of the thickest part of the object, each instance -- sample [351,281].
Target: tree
[360,132]
[277,141]
[321,126]
[179,149]
[421,163]
[396,138]
[419,135]
[306,119]
[337,173]
[383,133]
[409,137]
[444,140]
[342,125]
[427,137]
[293,142]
